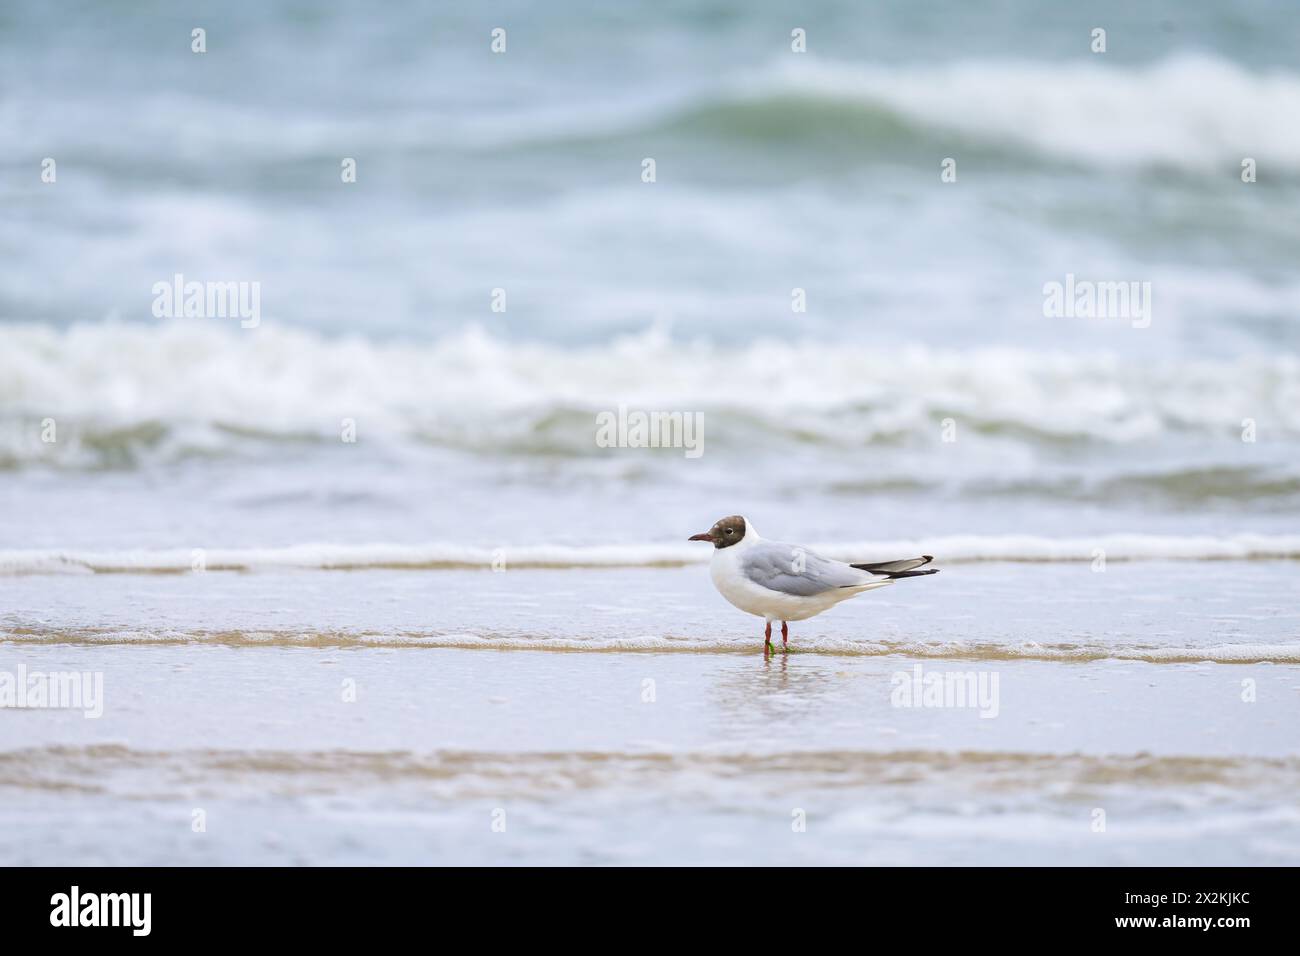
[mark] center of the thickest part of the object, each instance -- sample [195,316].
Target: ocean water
[1112,500]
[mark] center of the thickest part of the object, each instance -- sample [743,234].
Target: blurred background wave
[521,171]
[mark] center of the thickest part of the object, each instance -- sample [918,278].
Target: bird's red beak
[705,536]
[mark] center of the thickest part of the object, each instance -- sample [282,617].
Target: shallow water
[585,770]
[627,715]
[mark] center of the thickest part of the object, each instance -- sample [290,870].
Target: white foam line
[835,647]
[451,556]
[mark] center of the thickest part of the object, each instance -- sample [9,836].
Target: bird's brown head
[725,533]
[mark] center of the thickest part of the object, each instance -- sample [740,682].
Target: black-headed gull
[786,582]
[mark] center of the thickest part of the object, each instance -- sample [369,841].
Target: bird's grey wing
[797,571]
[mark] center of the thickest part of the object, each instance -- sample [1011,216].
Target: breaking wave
[123,394]
[1189,112]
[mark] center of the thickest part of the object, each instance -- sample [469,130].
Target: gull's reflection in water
[773,690]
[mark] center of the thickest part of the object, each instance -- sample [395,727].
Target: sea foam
[451,556]
[185,385]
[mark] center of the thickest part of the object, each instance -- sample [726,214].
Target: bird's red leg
[785,635]
[767,639]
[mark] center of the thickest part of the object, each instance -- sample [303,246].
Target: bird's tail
[906,568]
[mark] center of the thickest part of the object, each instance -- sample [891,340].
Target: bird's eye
[731,531]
